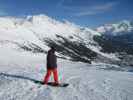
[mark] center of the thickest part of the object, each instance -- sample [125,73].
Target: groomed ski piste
[19,70]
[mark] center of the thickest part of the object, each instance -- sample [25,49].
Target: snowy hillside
[117,38]
[40,26]
[18,71]
[23,44]
[37,33]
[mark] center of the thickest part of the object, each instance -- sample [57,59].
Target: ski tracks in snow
[85,84]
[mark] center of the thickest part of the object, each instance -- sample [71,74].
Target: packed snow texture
[86,82]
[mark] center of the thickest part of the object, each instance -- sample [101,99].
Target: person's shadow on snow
[20,77]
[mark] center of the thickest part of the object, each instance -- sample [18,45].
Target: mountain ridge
[38,33]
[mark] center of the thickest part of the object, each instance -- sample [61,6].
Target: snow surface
[87,82]
[19,69]
[33,29]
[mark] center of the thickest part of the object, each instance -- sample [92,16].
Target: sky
[90,13]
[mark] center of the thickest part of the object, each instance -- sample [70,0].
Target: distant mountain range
[37,33]
[117,29]
[117,38]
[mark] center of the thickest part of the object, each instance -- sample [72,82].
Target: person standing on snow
[51,66]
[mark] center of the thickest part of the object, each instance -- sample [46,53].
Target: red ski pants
[49,71]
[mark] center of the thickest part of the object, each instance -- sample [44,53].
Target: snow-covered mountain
[120,28]
[117,38]
[38,33]
[33,27]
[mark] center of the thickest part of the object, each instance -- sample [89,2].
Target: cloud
[85,10]
[85,13]
[97,9]
[62,3]
[106,6]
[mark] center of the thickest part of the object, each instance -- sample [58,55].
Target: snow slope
[19,70]
[34,28]
[87,82]
[35,32]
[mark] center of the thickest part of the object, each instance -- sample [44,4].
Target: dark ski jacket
[51,60]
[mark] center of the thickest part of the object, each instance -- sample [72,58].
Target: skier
[51,66]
